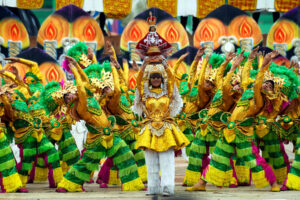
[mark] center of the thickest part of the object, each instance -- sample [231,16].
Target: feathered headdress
[52,96]
[100,76]
[215,62]
[285,80]
[79,53]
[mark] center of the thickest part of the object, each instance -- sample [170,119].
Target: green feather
[45,97]
[20,105]
[30,74]
[216,60]
[76,51]
[291,81]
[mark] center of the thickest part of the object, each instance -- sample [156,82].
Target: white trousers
[165,162]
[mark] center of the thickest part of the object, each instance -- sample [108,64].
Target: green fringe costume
[126,122]
[272,149]
[29,134]
[100,143]
[293,177]
[9,177]
[207,135]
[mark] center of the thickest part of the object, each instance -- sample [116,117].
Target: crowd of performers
[221,114]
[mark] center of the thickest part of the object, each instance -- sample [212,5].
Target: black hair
[152,27]
[161,77]
[65,96]
[272,83]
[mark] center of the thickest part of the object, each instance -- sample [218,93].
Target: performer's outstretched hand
[237,61]
[253,53]
[71,60]
[182,57]
[90,54]
[268,58]
[229,56]
[108,47]
[135,67]
[200,53]
[147,60]
[114,62]
[12,59]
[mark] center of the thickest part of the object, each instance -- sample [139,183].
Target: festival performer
[189,92]
[10,180]
[100,139]
[238,135]
[58,126]
[117,102]
[267,138]
[211,126]
[158,99]
[287,124]
[29,133]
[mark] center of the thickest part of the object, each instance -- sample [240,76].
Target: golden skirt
[171,138]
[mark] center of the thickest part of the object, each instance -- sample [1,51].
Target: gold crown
[151,19]
[106,80]
[58,97]
[84,60]
[69,87]
[270,76]
[154,68]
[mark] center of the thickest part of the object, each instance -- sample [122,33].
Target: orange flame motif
[280,35]
[207,33]
[50,32]
[52,74]
[89,32]
[132,82]
[14,31]
[245,29]
[135,34]
[172,34]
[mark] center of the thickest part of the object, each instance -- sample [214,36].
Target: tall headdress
[52,96]
[151,19]
[215,62]
[100,76]
[79,53]
[285,81]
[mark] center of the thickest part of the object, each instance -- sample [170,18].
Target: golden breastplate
[157,110]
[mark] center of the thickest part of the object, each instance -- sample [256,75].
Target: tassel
[69,186]
[134,185]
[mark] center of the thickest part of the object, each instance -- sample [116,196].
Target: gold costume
[159,131]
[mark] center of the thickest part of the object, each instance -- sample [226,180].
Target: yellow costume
[159,132]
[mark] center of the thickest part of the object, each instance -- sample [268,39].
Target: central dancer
[157,99]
